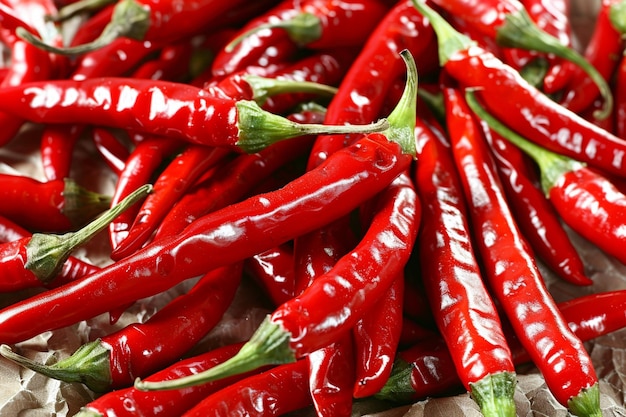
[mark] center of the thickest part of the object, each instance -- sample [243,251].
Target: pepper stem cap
[519,31]
[46,252]
[89,365]
[130,19]
[269,345]
[303,28]
[586,403]
[495,393]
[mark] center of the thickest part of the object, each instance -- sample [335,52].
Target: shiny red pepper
[162,108]
[273,270]
[57,148]
[111,149]
[452,277]
[52,206]
[511,271]
[139,349]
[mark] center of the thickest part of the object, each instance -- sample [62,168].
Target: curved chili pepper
[172,63]
[51,206]
[73,268]
[586,201]
[140,168]
[112,150]
[273,392]
[161,108]
[315,24]
[534,213]
[115,360]
[527,110]
[362,91]
[508,22]
[144,20]
[180,174]
[511,270]
[620,99]
[131,402]
[453,280]
[56,149]
[602,52]
[35,260]
[426,369]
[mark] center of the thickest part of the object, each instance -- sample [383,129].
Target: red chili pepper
[132,402]
[273,270]
[110,148]
[35,260]
[586,201]
[426,369]
[534,213]
[139,349]
[273,392]
[314,24]
[73,268]
[140,168]
[602,52]
[163,108]
[453,279]
[163,21]
[361,93]
[511,271]
[508,22]
[525,109]
[52,206]
[172,63]
[620,99]
[171,184]
[56,149]
[376,339]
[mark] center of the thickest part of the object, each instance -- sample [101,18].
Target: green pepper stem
[552,165]
[46,253]
[494,394]
[617,16]
[449,40]
[81,6]
[586,403]
[402,119]
[519,31]
[259,128]
[398,388]
[264,87]
[130,19]
[89,365]
[269,345]
[303,28]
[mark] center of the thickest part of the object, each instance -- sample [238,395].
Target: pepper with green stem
[335,301]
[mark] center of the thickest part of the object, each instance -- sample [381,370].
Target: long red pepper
[534,213]
[132,402]
[426,368]
[335,301]
[273,270]
[73,268]
[314,199]
[511,271]
[587,201]
[35,260]
[139,349]
[508,22]
[56,149]
[111,149]
[144,20]
[162,108]
[461,304]
[52,206]
[273,392]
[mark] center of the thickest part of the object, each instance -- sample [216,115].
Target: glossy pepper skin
[234,233]
[511,270]
[452,276]
[139,349]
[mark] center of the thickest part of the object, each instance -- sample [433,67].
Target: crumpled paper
[27,394]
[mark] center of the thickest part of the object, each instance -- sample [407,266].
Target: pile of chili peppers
[397,180]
